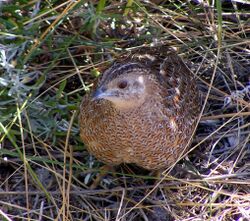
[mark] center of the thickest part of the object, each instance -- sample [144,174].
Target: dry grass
[52,51]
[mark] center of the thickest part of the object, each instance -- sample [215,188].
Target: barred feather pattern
[154,133]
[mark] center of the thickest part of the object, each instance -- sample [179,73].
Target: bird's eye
[122,84]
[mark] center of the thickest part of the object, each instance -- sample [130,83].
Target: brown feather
[156,126]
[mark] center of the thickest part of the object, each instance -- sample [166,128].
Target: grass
[51,52]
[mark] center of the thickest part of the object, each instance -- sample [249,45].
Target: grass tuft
[51,52]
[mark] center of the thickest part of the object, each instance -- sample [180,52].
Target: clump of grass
[50,54]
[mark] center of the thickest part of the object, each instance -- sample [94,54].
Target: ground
[53,51]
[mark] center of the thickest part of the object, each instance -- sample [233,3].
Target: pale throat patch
[126,105]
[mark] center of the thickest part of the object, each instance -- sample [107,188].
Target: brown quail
[143,110]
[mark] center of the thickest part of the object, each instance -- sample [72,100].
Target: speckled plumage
[153,126]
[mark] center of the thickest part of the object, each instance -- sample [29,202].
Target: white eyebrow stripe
[140,79]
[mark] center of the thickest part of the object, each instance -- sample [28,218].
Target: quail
[143,110]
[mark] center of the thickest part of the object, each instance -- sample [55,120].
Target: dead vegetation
[52,51]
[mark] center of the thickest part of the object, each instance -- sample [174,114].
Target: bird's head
[125,88]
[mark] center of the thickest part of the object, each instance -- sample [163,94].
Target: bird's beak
[99,94]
